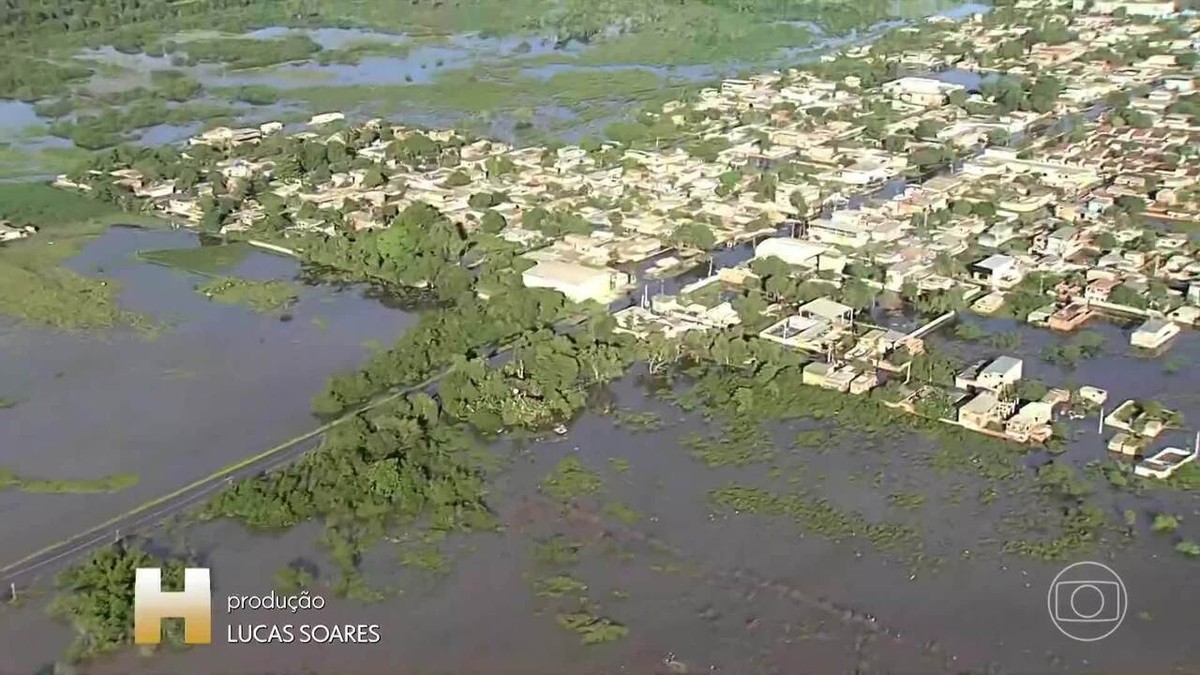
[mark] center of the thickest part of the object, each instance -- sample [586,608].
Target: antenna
[1100,422]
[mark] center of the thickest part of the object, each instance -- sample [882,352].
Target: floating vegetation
[637,420]
[111,483]
[740,444]
[559,586]
[571,480]
[592,629]
[1164,522]
[622,513]
[556,551]
[619,465]
[1189,548]
[818,516]
[260,296]
[907,500]
[426,558]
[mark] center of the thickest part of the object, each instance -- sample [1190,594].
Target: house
[1063,242]
[577,282]
[792,251]
[1070,317]
[865,382]
[1004,371]
[325,118]
[1100,289]
[10,232]
[1029,420]
[906,271]
[1125,444]
[1153,334]
[921,90]
[827,310]
[997,235]
[841,229]
[997,270]
[980,412]
[1193,293]
[1158,9]
[815,373]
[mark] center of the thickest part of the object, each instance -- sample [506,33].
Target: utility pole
[1100,422]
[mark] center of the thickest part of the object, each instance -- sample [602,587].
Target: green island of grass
[38,290]
[260,296]
[111,483]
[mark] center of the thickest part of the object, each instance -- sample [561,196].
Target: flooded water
[219,383]
[725,592]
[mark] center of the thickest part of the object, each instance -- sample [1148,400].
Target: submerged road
[23,572]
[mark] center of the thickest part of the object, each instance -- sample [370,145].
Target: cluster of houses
[1071,189]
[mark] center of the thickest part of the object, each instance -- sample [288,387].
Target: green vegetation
[1164,522]
[818,516]
[622,513]
[38,290]
[1189,548]
[260,296]
[245,52]
[96,598]
[112,483]
[571,480]
[293,579]
[1086,345]
[592,629]
[556,551]
[207,260]
[425,557]
[560,586]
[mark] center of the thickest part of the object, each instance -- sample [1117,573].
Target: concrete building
[794,251]
[998,271]
[577,282]
[1153,334]
[921,90]
[1158,9]
[980,412]
[1004,371]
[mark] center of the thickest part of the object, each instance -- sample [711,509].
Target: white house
[1004,371]
[577,282]
[1153,334]
[997,270]
[840,230]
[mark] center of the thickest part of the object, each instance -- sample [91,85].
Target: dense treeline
[21,19]
[466,330]
[96,598]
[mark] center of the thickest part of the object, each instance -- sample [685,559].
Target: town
[1047,174]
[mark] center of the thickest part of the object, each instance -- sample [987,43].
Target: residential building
[921,90]
[1153,334]
[577,282]
[1004,371]
[998,271]
[985,410]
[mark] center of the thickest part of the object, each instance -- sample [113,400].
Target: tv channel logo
[1087,601]
[151,604]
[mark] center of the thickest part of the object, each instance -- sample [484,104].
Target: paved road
[24,572]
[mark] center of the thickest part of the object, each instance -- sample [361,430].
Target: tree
[458,179]
[483,200]
[492,222]
[798,202]
[373,178]
[927,129]
[694,235]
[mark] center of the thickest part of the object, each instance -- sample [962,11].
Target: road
[24,572]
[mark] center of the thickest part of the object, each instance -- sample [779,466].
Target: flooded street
[214,385]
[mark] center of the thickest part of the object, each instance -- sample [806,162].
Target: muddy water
[217,384]
[738,593]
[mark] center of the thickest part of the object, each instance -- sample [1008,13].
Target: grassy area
[17,162]
[36,288]
[112,483]
[208,260]
[261,296]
